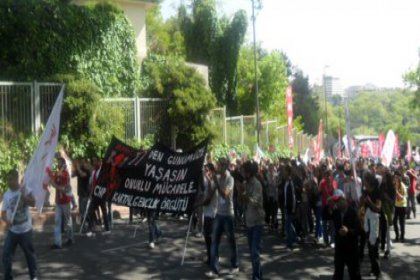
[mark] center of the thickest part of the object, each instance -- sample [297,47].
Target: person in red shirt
[411,202]
[326,189]
[60,180]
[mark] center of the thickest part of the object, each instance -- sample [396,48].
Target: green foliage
[224,151]
[164,37]
[272,82]
[374,111]
[144,144]
[220,151]
[305,104]
[412,79]
[280,152]
[13,153]
[189,100]
[214,42]
[46,37]
[87,125]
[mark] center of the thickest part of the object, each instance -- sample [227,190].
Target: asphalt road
[123,256]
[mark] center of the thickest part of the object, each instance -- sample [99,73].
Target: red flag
[397,147]
[375,149]
[364,150]
[289,109]
[339,145]
[318,143]
[381,142]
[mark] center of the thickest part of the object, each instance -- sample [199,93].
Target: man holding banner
[20,227]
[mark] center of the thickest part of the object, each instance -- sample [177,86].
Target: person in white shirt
[224,221]
[19,228]
[209,205]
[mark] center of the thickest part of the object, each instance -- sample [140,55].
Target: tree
[189,99]
[164,37]
[305,104]
[412,79]
[272,81]
[214,42]
[375,111]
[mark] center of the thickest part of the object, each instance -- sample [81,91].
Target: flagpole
[186,240]
[257,105]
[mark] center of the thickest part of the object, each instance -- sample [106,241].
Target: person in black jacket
[289,188]
[347,231]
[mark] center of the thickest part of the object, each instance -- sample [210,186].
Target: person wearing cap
[347,230]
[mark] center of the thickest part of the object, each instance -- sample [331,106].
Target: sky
[359,41]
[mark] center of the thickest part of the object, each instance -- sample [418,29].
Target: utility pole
[257,103]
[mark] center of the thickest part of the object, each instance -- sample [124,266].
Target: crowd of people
[335,203]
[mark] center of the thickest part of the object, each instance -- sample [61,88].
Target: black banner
[159,179]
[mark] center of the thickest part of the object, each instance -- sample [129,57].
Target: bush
[87,124]
[13,153]
[190,101]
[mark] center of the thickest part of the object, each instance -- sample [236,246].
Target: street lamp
[257,103]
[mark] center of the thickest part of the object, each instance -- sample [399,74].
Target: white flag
[35,174]
[388,149]
[259,154]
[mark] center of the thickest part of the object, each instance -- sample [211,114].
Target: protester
[326,189]
[237,206]
[272,196]
[224,221]
[60,180]
[95,201]
[372,200]
[400,208]
[254,215]
[70,169]
[155,232]
[347,230]
[82,172]
[411,202]
[311,184]
[209,206]
[289,188]
[19,227]
[388,200]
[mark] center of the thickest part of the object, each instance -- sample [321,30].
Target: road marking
[123,247]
